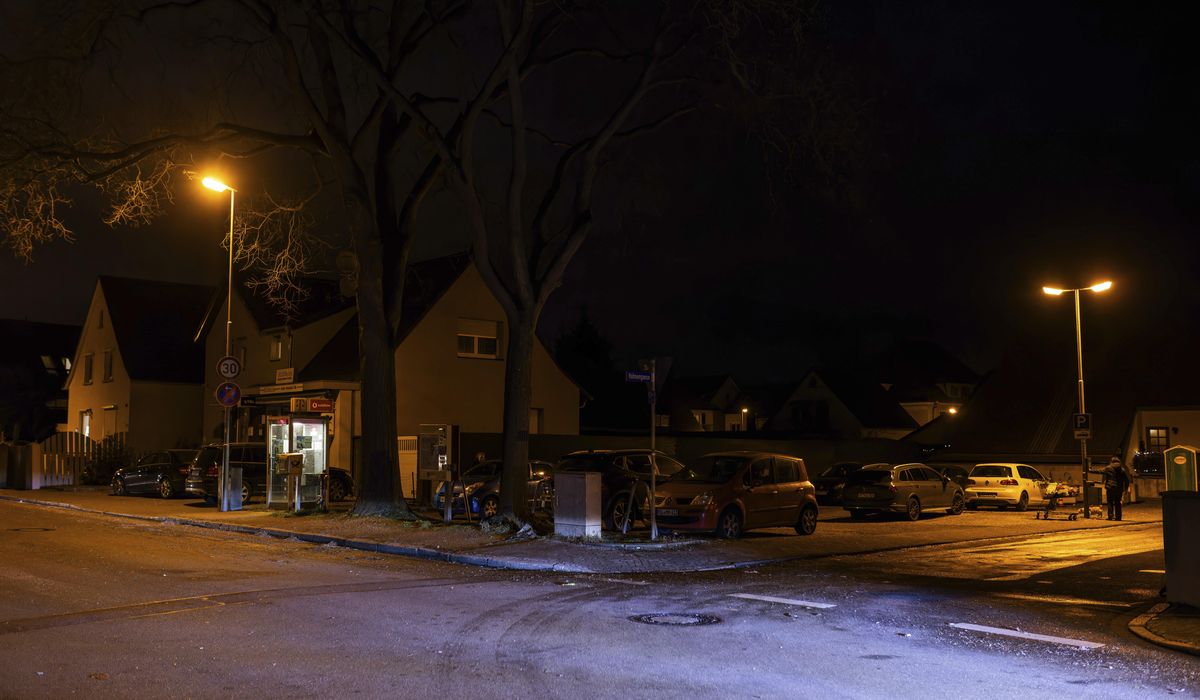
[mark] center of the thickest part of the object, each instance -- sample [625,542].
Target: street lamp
[218,186]
[1083,456]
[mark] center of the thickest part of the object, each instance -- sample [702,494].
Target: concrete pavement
[1170,626]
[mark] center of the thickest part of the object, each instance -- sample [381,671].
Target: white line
[1028,635]
[785,601]
[1151,571]
[628,583]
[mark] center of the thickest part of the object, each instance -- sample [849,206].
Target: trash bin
[577,504]
[235,488]
[1181,546]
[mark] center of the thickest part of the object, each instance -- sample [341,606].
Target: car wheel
[118,487]
[247,491]
[956,504]
[858,514]
[729,525]
[165,489]
[1023,503]
[913,510]
[489,508]
[807,524]
[337,490]
[616,511]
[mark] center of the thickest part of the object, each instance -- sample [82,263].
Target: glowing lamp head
[1102,287]
[1053,291]
[215,185]
[952,411]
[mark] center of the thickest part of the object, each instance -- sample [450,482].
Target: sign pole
[653,458]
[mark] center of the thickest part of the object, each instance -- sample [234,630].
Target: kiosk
[296,454]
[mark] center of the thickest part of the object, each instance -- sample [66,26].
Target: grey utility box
[1181,546]
[577,504]
[235,488]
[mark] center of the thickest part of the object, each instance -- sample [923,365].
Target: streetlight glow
[1102,287]
[1053,291]
[215,185]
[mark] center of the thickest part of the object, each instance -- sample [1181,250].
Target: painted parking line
[1078,643]
[1151,571]
[627,583]
[785,601]
[1065,600]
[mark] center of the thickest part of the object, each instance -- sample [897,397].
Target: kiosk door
[303,435]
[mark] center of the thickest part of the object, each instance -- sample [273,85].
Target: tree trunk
[379,491]
[518,382]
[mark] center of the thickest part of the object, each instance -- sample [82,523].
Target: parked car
[341,484]
[957,474]
[619,471]
[731,492]
[252,458]
[830,482]
[163,472]
[910,489]
[1005,484]
[482,483]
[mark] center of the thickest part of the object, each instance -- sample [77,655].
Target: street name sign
[229,367]
[632,376]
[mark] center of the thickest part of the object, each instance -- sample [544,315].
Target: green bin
[1179,463]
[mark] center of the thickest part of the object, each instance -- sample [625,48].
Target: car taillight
[1009,482]
[212,471]
[184,470]
[970,482]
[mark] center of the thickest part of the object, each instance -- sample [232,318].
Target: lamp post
[223,480]
[1083,455]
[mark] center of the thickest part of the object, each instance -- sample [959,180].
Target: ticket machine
[297,461]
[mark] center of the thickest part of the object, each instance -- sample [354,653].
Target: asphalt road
[117,608]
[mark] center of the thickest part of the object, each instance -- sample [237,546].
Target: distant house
[35,359]
[836,404]
[925,379]
[136,371]
[701,404]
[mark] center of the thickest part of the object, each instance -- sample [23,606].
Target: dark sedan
[910,489]
[830,482]
[619,471]
[163,473]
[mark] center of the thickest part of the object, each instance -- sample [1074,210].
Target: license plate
[668,511]
[866,494]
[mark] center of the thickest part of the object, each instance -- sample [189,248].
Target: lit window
[48,363]
[108,365]
[87,368]
[1158,438]
[67,363]
[276,349]
[478,338]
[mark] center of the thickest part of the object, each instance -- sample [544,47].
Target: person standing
[1116,481]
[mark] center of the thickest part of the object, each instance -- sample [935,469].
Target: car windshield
[870,476]
[991,470]
[709,470]
[840,470]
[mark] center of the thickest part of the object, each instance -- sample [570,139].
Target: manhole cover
[31,529]
[679,619]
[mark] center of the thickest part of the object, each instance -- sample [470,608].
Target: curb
[1138,626]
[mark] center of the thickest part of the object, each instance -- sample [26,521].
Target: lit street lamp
[223,488]
[1054,291]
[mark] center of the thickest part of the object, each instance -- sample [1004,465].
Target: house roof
[154,323]
[26,341]
[695,392]
[866,399]
[767,399]
[922,363]
[324,299]
[425,283]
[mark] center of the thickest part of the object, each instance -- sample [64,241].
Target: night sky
[998,147]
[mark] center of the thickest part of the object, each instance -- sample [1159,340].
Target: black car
[482,483]
[619,471]
[252,458]
[956,473]
[163,472]
[830,482]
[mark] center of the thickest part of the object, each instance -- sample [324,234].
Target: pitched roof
[866,399]
[324,299]
[695,392]
[767,399]
[424,285]
[155,323]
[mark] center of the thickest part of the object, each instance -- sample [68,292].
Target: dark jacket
[1115,477]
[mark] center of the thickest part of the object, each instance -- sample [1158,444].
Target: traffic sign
[632,376]
[228,394]
[229,367]
[1081,423]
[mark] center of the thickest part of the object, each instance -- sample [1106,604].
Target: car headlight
[702,500]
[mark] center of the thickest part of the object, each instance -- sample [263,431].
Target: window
[85,423]
[1029,473]
[704,419]
[759,473]
[108,365]
[479,339]
[276,349]
[48,363]
[1158,438]
[87,368]
[785,471]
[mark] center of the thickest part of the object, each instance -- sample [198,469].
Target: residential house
[836,404]
[136,374]
[701,404]
[925,379]
[35,359]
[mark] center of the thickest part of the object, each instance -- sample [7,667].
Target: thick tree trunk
[518,383]
[379,490]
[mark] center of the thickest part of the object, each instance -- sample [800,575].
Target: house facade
[841,405]
[136,374]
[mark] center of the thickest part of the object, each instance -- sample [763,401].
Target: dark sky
[1002,146]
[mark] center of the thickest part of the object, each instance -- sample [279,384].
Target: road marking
[1082,644]
[785,601]
[628,583]
[1066,600]
[1151,571]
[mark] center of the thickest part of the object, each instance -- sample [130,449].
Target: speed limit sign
[229,367]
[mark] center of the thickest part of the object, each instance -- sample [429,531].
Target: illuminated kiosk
[297,441]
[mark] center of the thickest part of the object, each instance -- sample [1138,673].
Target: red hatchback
[730,492]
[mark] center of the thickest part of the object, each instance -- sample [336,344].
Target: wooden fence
[63,459]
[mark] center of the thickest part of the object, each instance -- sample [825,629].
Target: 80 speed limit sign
[229,367]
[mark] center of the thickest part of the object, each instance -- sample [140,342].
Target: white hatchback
[1006,484]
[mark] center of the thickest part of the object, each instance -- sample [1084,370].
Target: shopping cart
[1058,496]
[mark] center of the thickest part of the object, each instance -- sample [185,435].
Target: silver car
[910,489]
